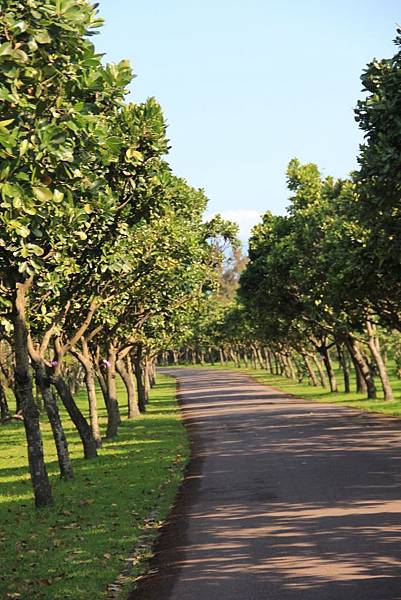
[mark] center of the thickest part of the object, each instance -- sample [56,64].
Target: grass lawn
[304,390]
[76,548]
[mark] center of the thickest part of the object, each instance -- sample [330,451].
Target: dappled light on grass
[75,549]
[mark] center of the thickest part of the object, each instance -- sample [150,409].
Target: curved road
[284,499]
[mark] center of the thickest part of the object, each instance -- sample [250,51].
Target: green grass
[76,548]
[319,394]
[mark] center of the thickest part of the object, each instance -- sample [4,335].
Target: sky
[247,86]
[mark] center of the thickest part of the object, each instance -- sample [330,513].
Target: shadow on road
[284,499]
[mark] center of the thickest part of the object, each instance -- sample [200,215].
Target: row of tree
[325,279]
[103,251]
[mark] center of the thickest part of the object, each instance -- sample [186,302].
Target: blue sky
[246,86]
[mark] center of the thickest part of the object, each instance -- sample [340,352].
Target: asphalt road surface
[284,499]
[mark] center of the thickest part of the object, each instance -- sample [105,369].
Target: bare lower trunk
[374,347]
[221,356]
[309,370]
[322,377]
[140,384]
[290,366]
[113,411]
[4,410]
[44,384]
[86,361]
[253,358]
[85,432]
[355,352]
[284,366]
[102,384]
[25,398]
[92,402]
[152,373]
[146,378]
[329,369]
[344,367]
[361,387]
[276,364]
[125,371]
[259,357]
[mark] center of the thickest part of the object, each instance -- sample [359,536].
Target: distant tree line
[324,281]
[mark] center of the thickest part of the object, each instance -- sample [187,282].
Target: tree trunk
[146,377]
[124,369]
[309,369]
[374,347]
[152,373]
[113,411]
[43,382]
[102,384]
[245,358]
[253,358]
[4,410]
[356,354]
[318,365]
[221,356]
[269,360]
[85,432]
[290,367]
[24,394]
[259,357]
[85,360]
[329,368]
[139,379]
[344,367]
[361,387]
[276,364]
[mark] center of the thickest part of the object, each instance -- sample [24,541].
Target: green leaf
[42,194]
[20,55]
[6,49]
[36,250]
[132,153]
[6,122]
[23,147]
[43,37]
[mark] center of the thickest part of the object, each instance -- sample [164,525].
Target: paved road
[284,499]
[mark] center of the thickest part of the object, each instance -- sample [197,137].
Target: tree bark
[4,410]
[329,368]
[355,352]
[309,369]
[24,394]
[124,369]
[43,382]
[259,357]
[85,432]
[290,366]
[318,365]
[139,379]
[113,411]
[85,359]
[374,347]
[344,367]
[276,364]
